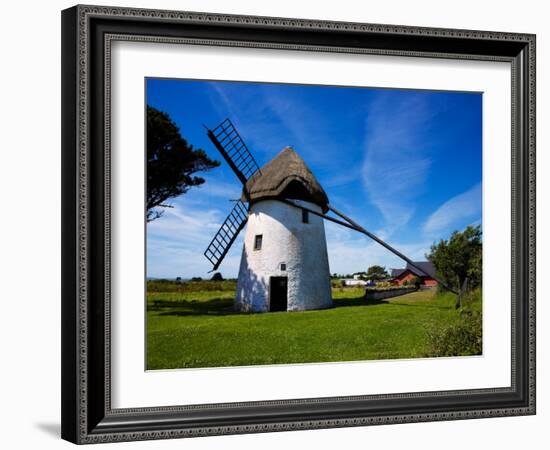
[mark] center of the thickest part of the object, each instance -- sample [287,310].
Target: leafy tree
[217,277]
[416,282]
[171,162]
[376,273]
[458,259]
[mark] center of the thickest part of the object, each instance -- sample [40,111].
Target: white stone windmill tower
[284,264]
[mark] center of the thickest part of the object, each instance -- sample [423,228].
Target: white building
[354,282]
[284,264]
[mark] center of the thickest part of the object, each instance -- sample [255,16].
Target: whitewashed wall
[286,240]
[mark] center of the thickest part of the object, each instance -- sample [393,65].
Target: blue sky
[405,164]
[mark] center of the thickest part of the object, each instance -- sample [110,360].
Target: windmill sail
[349,223]
[229,143]
[226,235]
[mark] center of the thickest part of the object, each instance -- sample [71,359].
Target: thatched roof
[286,176]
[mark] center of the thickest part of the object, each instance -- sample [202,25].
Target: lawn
[192,325]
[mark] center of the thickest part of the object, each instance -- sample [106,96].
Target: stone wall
[380,295]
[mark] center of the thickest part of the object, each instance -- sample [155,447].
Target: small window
[283,267]
[258,242]
[305,216]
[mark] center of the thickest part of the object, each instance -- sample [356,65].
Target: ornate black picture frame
[87,34]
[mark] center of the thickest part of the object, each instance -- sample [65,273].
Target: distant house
[401,276]
[358,279]
[354,282]
[358,282]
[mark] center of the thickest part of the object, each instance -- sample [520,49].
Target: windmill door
[278,293]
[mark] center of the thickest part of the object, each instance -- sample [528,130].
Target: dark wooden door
[278,293]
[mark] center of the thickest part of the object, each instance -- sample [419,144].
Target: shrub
[463,337]
[416,282]
[217,277]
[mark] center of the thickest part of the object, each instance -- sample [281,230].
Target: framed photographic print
[280,224]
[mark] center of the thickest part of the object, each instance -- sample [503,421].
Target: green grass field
[192,325]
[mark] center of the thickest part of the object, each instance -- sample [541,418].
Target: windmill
[284,262]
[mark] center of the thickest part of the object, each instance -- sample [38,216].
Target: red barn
[400,276]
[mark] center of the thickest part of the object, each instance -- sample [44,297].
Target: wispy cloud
[250,114]
[271,117]
[455,212]
[176,242]
[222,102]
[215,188]
[343,178]
[350,252]
[193,221]
[397,162]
